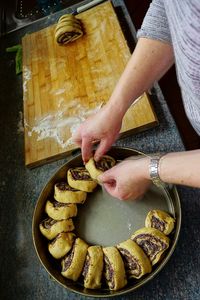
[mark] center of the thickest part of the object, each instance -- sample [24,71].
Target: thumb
[106,177]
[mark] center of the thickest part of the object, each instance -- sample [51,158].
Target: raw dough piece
[160,220]
[60,211]
[93,268]
[153,242]
[68,29]
[114,269]
[50,228]
[72,263]
[97,168]
[79,178]
[66,194]
[61,245]
[136,262]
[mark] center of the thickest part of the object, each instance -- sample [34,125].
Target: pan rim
[146,279]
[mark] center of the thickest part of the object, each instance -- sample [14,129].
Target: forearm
[181,168]
[148,63]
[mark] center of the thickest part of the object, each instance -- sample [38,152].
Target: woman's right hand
[104,127]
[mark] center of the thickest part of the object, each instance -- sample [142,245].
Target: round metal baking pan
[106,221]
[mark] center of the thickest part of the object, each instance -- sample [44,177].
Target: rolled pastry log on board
[60,211]
[97,168]
[62,244]
[66,194]
[50,228]
[68,29]
[80,179]
[160,220]
[72,263]
[136,261]
[153,242]
[93,268]
[114,269]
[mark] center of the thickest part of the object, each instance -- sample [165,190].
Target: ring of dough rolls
[97,168]
[132,258]
[66,194]
[51,228]
[152,241]
[60,211]
[160,220]
[61,245]
[68,29]
[80,179]
[93,267]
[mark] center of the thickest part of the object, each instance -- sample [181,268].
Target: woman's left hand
[128,179]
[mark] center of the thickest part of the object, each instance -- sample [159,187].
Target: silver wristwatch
[154,170]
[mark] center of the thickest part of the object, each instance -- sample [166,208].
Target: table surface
[22,275]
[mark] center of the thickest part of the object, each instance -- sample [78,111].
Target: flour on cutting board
[54,124]
[20,126]
[26,78]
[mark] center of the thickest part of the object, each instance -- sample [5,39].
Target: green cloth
[18,57]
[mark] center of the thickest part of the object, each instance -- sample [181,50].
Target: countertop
[22,275]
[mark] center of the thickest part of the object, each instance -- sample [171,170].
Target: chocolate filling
[131,263]
[158,224]
[150,244]
[80,174]
[59,204]
[68,260]
[47,223]
[63,186]
[86,265]
[109,272]
[104,164]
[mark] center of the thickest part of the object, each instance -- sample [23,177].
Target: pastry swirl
[50,228]
[61,245]
[79,178]
[93,268]
[153,242]
[60,211]
[160,220]
[64,193]
[68,29]
[136,261]
[114,268]
[97,168]
[72,263]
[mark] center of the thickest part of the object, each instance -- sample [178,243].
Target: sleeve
[155,24]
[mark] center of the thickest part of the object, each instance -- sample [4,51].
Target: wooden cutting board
[62,85]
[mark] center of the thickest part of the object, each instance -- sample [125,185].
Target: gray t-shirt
[178,22]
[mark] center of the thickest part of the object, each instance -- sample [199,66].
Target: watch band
[154,170]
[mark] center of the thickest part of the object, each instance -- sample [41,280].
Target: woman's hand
[104,127]
[128,179]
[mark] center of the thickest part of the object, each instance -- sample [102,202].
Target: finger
[110,188]
[113,189]
[86,148]
[103,147]
[76,138]
[78,142]
[106,177]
